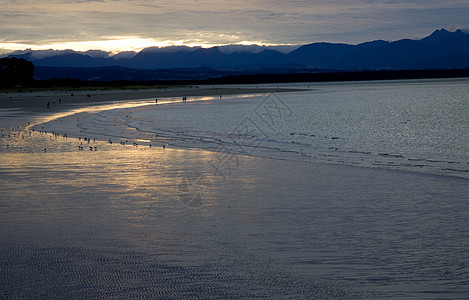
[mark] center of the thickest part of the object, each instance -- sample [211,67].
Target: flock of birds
[10,138]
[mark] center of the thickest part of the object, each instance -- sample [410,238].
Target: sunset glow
[115,45]
[123,25]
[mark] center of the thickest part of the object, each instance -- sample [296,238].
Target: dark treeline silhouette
[16,72]
[340,76]
[261,78]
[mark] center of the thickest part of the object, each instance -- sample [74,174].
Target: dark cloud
[224,22]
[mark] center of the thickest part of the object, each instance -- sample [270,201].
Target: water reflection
[272,228]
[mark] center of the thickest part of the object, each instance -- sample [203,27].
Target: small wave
[416,159]
[281,141]
[455,170]
[391,155]
[359,152]
[435,161]
[328,155]
[302,134]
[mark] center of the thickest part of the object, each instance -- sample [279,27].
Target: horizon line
[124,44]
[117,45]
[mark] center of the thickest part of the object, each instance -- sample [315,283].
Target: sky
[131,25]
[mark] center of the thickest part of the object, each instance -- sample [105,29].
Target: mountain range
[440,50]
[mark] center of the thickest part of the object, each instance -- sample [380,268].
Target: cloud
[38,22]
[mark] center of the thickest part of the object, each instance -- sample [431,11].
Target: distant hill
[437,50]
[440,50]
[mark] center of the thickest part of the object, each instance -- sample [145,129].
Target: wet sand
[126,222]
[37,101]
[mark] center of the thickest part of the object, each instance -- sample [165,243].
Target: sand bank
[37,101]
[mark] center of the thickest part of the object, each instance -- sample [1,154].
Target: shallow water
[134,221]
[418,125]
[406,125]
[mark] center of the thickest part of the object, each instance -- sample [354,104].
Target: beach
[37,100]
[150,217]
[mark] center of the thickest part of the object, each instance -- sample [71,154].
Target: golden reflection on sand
[124,105]
[148,179]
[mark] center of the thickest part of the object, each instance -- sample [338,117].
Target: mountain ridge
[442,49]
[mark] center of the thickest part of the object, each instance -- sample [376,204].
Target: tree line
[15,72]
[19,72]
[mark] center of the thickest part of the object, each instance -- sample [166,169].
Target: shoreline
[107,100]
[19,109]
[79,103]
[37,101]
